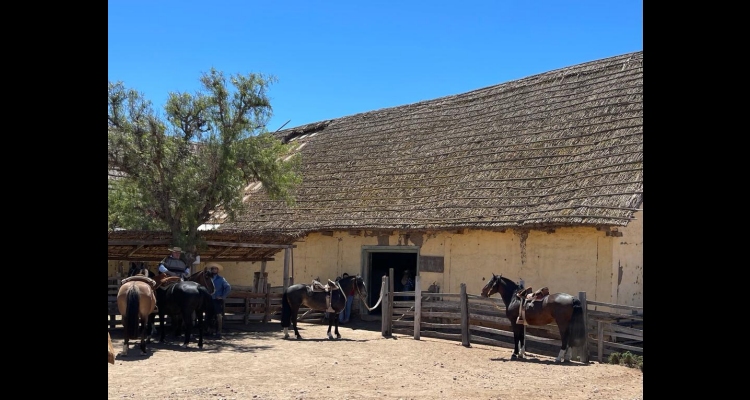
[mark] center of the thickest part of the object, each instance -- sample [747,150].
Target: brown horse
[204,278]
[300,294]
[136,301]
[560,308]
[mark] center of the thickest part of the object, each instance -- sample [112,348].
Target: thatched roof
[220,246]
[563,148]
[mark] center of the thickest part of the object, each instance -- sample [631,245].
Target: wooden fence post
[600,339]
[287,259]
[391,300]
[417,308]
[267,304]
[585,353]
[384,308]
[246,319]
[465,333]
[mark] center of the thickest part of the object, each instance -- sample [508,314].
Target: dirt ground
[256,362]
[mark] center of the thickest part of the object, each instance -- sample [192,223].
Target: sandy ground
[256,362]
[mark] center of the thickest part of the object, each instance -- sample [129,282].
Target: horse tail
[577,327]
[286,311]
[132,310]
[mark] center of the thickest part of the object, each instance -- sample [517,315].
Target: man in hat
[174,265]
[221,292]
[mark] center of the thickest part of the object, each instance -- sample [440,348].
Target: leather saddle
[163,280]
[140,278]
[527,294]
[319,287]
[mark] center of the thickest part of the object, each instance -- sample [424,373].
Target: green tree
[176,170]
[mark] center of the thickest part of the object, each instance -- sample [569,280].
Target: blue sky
[337,58]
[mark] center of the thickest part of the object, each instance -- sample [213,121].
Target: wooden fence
[471,318]
[243,305]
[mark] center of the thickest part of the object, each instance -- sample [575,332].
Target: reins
[359,292]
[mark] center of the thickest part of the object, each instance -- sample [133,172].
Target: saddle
[526,294]
[140,278]
[163,280]
[528,298]
[319,287]
[327,288]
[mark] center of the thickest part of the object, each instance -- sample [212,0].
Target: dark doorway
[380,263]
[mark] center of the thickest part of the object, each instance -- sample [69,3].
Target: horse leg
[335,321]
[199,314]
[125,342]
[161,326]
[330,324]
[188,322]
[177,322]
[564,348]
[295,311]
[144,332]
[522,337]
[151,327]
[516,339]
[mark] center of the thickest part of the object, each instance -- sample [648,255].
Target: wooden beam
[116,242]
[135,249]
[221,253]
[270,246]
[203,258]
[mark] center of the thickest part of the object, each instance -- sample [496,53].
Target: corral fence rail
[471,318]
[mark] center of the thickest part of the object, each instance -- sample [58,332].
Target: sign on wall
[431,263]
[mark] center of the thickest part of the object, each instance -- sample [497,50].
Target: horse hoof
[514,357]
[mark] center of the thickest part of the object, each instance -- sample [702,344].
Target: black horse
[560,308]
[181,300]
[300,294]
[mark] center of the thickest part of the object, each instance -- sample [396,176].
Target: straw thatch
[563,148]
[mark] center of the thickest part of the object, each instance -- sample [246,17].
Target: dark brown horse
[560,308]
[300,294]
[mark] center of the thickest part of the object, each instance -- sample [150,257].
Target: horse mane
[510,284]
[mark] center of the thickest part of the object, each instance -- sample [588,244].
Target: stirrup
[521,321]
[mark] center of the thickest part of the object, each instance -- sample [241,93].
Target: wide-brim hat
[213,264]
[175,249]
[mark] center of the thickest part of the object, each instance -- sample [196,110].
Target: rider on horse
[174,265]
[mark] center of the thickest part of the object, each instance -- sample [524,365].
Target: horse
[301,294]
[181,300]
[561,308]
[136,302]
[140,268]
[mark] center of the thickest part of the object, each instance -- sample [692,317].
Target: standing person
[221,292]
[407,283]
[174,264]
[347,311]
